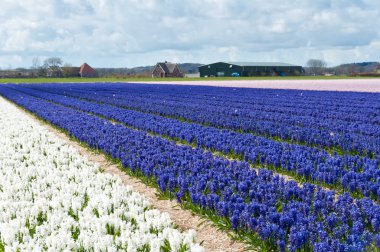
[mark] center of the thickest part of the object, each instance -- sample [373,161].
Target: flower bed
[51,198]
[273,213]
[347,121]
[352,173]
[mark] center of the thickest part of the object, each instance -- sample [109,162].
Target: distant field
[111,79]
[322,83]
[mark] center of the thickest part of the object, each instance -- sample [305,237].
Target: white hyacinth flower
[52,198]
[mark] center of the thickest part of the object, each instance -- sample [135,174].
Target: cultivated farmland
[286,170]
[51,198]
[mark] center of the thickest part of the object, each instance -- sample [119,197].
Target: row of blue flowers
[349,121]
[355,174]
[283,214]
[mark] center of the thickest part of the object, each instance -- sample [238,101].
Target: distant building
[86,71]
[54,72]
[17,73]
[166,69]
[69,71]
[192,75]
[377,70]
[221,69]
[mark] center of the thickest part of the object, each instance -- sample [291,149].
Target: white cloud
[141,32]
[10,61]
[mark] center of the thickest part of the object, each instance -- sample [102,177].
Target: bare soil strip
[211,238]
[355,85]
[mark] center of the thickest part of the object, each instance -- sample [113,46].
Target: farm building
[220,69]
[166,69]
[86,71]
[54,72]
[69,71]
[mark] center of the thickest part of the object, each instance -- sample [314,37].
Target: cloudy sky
[128,33]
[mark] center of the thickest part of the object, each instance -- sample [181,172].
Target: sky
[129,33]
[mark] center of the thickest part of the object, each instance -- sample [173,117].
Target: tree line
[319,67]
[52,67]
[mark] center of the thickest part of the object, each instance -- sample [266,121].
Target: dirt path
[357,85]
[211,238]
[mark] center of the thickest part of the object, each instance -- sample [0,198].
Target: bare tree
[36,63]
[316,66]
[36,67]
[53,66]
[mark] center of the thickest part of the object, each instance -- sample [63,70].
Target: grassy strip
[149,79]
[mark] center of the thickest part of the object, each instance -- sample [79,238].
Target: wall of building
[221,69]
[158,72]
[272,71]
[176,72]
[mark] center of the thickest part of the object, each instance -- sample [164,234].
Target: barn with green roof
[225,69]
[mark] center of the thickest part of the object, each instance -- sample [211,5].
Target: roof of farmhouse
[86,69]
[263,64]
[167,66]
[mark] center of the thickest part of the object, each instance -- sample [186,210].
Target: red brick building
[165,69]
[86,71]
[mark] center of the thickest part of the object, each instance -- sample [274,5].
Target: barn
[166,69]
[86,71]
[221,69]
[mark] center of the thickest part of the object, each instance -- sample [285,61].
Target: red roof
[86,70]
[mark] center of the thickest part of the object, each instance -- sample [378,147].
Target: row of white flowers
[52,198]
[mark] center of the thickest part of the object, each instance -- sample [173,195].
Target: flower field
[286,170]
[51,198]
